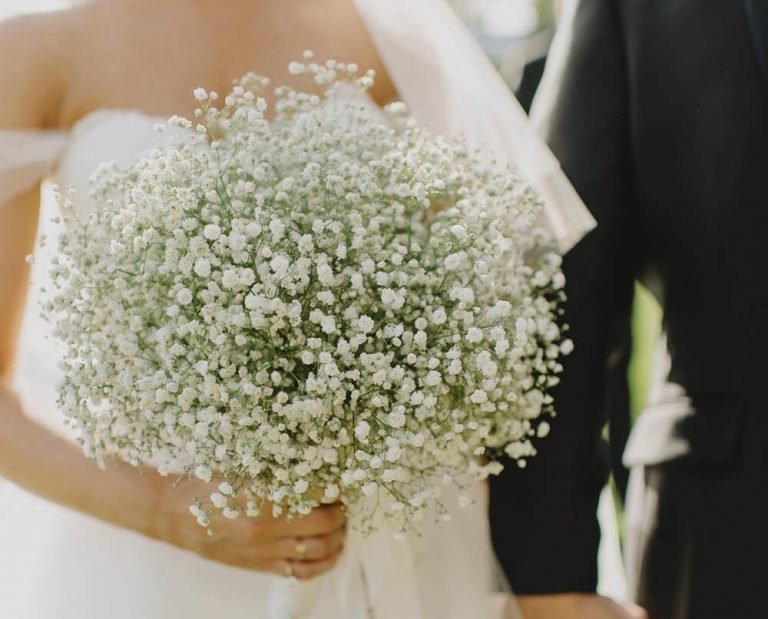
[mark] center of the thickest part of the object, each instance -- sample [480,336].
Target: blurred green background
[646,324]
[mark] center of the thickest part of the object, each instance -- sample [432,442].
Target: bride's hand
[574,606]
[304,546]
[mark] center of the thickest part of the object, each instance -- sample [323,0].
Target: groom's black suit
[658,112]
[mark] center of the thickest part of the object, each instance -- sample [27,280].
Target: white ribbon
[378,578]
[26,157]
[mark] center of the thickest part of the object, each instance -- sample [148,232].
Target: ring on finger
[289,568]
[300,550]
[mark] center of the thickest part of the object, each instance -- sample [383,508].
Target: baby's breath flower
[333,299]
[212,232]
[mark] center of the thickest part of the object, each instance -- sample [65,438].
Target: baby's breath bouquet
[325,303]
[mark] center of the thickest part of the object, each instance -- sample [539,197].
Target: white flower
[202,267]
[463,294]
[237,242]
[392,298]
[478,396]
[184,296]
[204,473]
[501,309]
[218,500]
[230,278]
[474,335]
[455,261]
[328,324]
[458,231]
[331,492]
[280,265]
[325,275]
[277,228]
[253,230]
[396,419]
[365,324]
[362,430]
[393,454]
[433,378]
[201,367]
[212,232]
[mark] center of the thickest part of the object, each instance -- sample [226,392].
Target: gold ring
[301,550]
[289,568]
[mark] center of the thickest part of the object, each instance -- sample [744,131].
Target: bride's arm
[51,467]
[55,470]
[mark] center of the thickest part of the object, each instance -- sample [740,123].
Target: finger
[635,612]
[304,570]
[281,567]
[318,548]
[319,522]
[309,548]
[248,562]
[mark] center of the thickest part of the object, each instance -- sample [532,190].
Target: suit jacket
[658,112]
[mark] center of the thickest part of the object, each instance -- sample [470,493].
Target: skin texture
[576,606]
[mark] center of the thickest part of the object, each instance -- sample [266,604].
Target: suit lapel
[757,17]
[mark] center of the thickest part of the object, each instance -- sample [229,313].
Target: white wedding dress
[59,564]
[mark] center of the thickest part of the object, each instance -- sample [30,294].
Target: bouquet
[325,303]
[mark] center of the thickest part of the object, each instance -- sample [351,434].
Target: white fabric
[26,157]
[63,565]
[84,565]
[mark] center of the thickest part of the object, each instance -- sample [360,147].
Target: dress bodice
[122,136]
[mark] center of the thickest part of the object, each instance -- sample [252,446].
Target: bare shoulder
[32,67]
[37,52]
